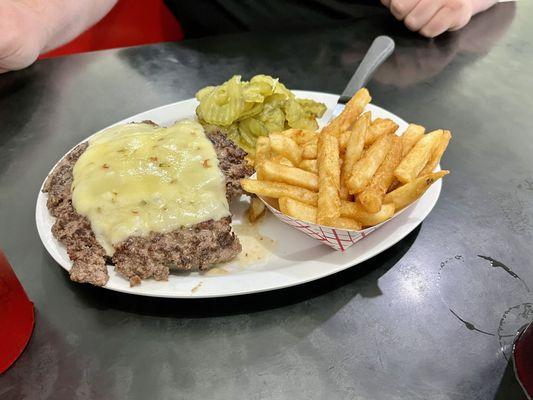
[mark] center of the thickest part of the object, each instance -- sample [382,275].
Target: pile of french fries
[355,173]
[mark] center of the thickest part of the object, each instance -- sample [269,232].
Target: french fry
[297,209]
[262,149]
[410,137]
[366,167]
[290,133]
[277,190]
[355,211]
[351,111]
[343,140]
[413,163]
[349,209]
[307,136]
[352,155]
[310,151]
[412,134]
[308,213]
[262,153]
[344,193]
[293,176]
[332,128]
[282,160]
[354,108]
[300,136]
[286,147]
[378,128]
[309,165]
[345,223]
[438,151]
[355,145]
[311,140]
[256,209]
[372,197]
[406,194]
[328,179]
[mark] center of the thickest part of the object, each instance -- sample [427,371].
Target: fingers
[421,14]
[463,12]
[401,8]
[431,17]
[440,23]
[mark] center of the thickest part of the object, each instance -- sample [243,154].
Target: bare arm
[31,27]
[433,17]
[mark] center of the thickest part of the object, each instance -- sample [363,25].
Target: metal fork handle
[381,48]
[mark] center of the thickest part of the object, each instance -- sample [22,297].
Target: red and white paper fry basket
[339,239]
[16,316]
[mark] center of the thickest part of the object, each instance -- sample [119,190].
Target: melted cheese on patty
[138,178]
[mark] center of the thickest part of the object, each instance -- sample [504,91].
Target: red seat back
[129,23]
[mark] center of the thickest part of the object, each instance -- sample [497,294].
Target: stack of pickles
[248,110]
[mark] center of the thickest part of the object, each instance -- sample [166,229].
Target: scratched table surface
[431,318]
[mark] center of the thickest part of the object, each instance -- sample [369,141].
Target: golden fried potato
[406,194]
[344,193]
[310,151]
[309,165]
[371,198]
[256,210]
[293,176]
[277,190]
[352,155]
[297,209]
[437,153]
[308,213]
[412,134]
[286,147]
[355,145]
[328,179]
[366,167]
[332,128]
[301,136]
[262,153]
[281,160]
[290,133]
[378,128]
[309,140]
[357,212]
[413,163]
[351,111]
[343,140]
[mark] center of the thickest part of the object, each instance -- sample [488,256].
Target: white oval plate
[295,259]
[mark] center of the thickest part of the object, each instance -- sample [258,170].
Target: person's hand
[432,17]
[22,35]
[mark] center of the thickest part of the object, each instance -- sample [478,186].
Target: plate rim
[293,281]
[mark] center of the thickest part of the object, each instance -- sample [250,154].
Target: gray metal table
[427,319]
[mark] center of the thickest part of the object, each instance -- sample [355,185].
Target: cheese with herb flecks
[135,179]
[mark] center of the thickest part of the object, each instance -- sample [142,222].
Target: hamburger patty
[136,258]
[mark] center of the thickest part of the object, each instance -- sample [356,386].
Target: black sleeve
[209,17]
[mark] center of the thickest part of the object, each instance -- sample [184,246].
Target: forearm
[63,20]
